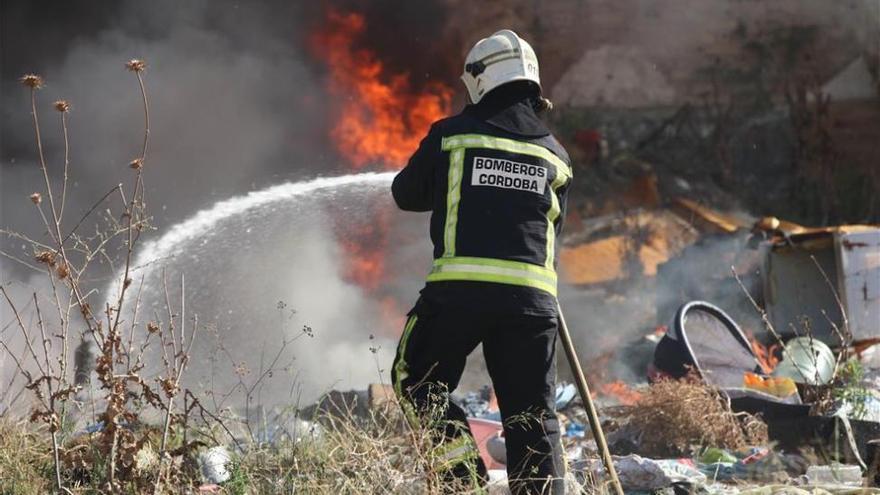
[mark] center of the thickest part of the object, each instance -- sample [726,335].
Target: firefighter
[495,180]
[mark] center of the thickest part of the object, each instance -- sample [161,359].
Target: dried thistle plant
[66,255]
[152,327]
[136,65]
[32,81]
[46,257]
[62,271]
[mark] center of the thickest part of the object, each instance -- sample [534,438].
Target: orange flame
[620,391]
[364,246]
[363,243]
[766,356]
[382,119]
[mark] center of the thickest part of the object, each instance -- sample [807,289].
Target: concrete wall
[647,52]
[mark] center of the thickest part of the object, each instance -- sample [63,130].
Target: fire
[381,117]
[766,356]
[620,391]
[363,246]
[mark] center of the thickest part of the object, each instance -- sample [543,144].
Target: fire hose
[587,399]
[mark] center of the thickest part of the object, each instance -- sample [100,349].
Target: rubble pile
[660,449]
[709,405]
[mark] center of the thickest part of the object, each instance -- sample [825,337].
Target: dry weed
[379,453]
[675,416]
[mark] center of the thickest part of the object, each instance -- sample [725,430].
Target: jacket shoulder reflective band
[494,270]
[563,172]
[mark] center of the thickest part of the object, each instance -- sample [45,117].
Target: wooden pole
[587,399]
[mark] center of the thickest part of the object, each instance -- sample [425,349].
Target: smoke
[618,319]
[327,321]
[237,104]
[233,106]
[21,291]
[409,37]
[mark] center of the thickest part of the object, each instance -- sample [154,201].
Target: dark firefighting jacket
[495,180]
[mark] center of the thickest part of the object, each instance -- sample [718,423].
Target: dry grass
[26,465]
[675,416]
[380,453]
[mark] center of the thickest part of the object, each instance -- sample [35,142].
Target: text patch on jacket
[506,174]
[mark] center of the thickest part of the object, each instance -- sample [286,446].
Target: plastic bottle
[845,474]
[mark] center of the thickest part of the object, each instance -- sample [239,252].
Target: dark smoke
[409,37]
[237,99]
[237,102]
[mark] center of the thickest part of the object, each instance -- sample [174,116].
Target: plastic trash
[845,474]
[575,430]
[755,454]
[565,393]
[641,474]
[306,431]
[497,449]
[714,454]
[215,464]
[806,360]
[481,404]
[497,484]
[778,386]
[484,430]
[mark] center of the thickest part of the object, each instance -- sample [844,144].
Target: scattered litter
[215,464]
[565,393]
[753,464]
[575,429]
[497,482]
[306,431]
[641,474]
[483,431]
[714,454]
[479,404]
[497,449]
[835,474]
[806,360]
[865,408]
[780,489]
[778,386]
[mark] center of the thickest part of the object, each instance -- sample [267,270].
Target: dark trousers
[520,357]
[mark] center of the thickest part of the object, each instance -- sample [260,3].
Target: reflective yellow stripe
[563,172]
[494,270]
[453,196]
[552,215]
[509,272]
[454,452]
[401,370]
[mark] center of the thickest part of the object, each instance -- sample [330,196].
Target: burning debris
[783,387]
[381,117]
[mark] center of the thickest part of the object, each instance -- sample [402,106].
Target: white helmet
[499,59]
